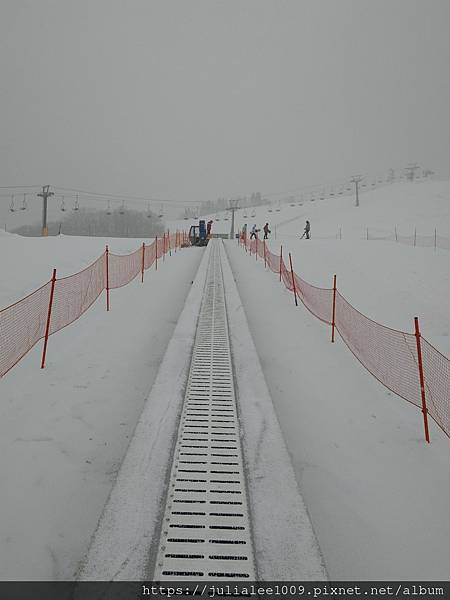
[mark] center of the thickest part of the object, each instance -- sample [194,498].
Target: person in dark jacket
[266,231]
[307,231]
[208,228]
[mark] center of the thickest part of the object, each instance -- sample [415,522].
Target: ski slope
[377,495]
[390,283]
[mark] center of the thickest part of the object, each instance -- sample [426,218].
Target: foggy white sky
[195,99]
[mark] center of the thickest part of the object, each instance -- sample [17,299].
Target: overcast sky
[195,99]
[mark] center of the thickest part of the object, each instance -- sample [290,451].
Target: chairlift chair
[161,212]
[122,208]
[11,206]
[24,203]
[63,206]
[149,212]
[76,206]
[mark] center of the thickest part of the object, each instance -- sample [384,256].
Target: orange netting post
[143,262]
[333,320]
[168,241]
[156,253]
[293,280]
[49,315]
[107,277]
[421,379]
[281,258]
[265,260]
[256,253]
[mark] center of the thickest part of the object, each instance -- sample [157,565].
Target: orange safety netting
[23,323]
[388,354]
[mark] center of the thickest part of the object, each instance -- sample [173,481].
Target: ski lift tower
[356,180]
[233,207]
[45,194]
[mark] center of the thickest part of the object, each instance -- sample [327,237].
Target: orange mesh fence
[436,368]
[123,269]
[76,293]
[388,354]
[24,323]
[286,276]
[150,254]
[317,300]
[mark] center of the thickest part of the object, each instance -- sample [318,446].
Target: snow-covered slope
[390,283]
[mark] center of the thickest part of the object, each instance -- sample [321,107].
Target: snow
[130,523]
[376,493]
[64,430]
[285,545]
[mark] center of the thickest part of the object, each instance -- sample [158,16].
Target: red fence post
[107,277]
[164,246]
[333,320]
[281,258]
[168,241]
[143,262]
[49,315]
[256,247]
[156,253]
[293,279]
[421,379]
[265,260]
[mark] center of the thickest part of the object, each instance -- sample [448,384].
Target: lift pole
[356,180]
[45,194]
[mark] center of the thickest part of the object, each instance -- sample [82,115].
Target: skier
[208,228]
[253,232]
[266,231]
[307,231]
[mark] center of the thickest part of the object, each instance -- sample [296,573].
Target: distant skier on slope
[208,228]
[266,231]
[254,232]
[307,231]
